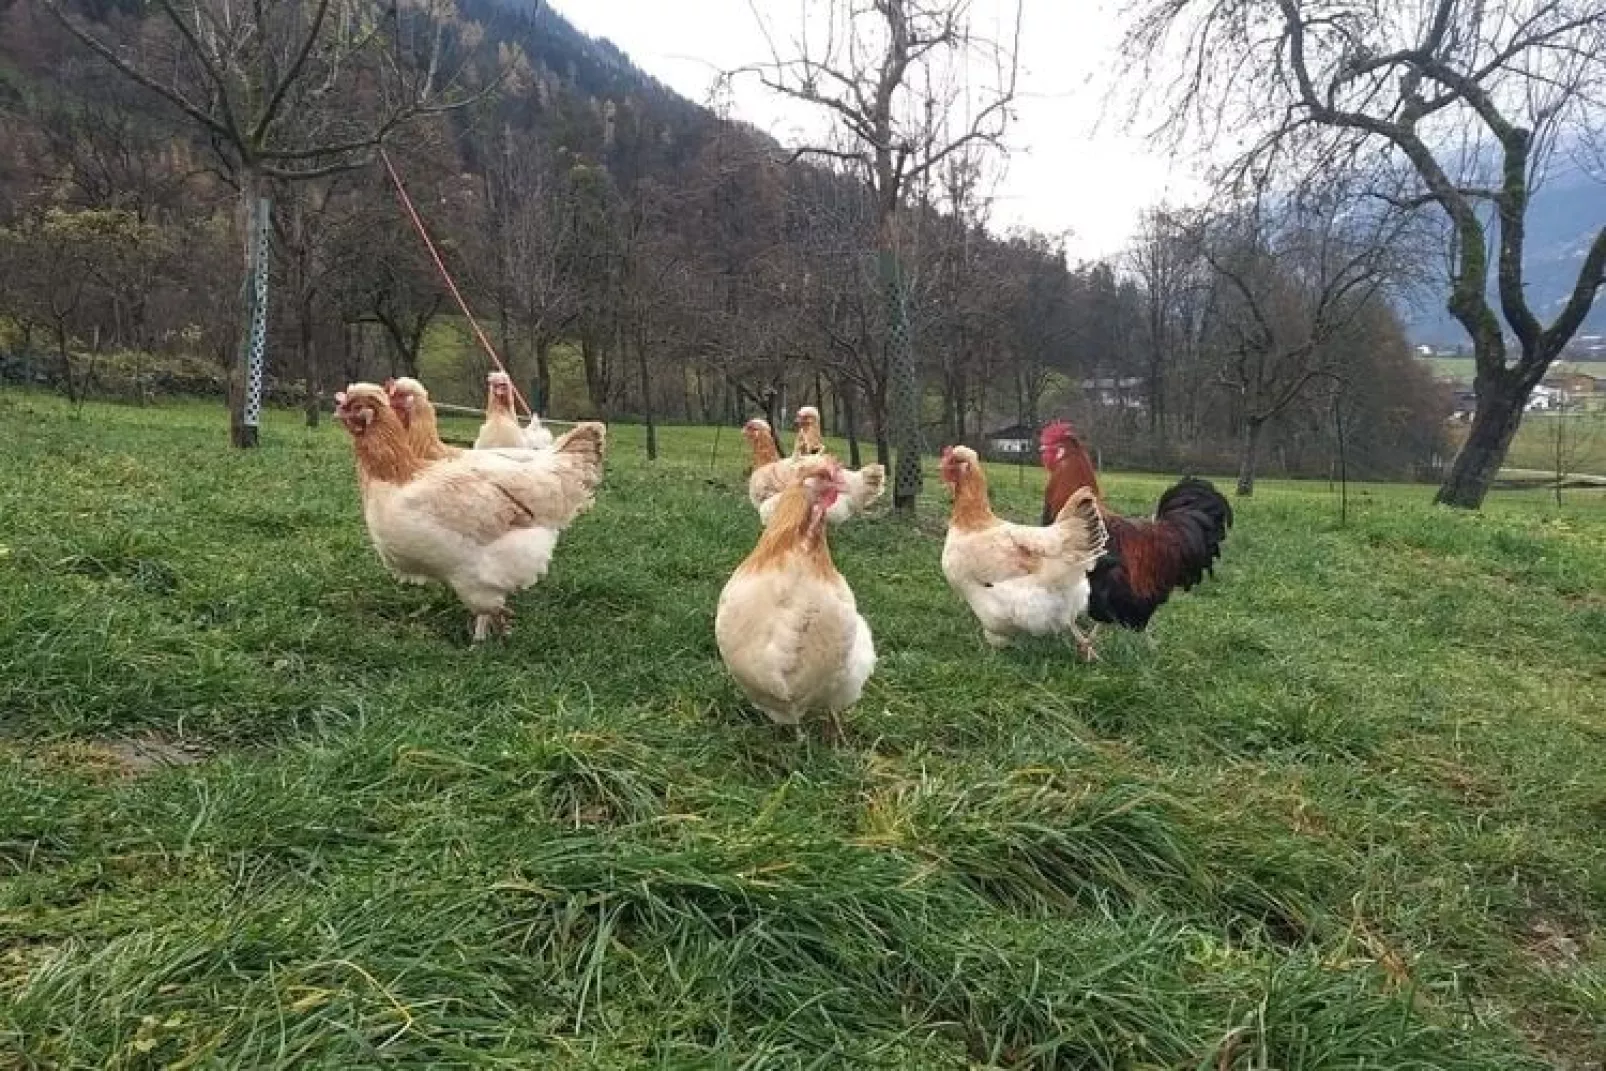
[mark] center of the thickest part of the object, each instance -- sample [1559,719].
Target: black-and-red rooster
[1145,560]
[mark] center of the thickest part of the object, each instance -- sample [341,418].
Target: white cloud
[1072,166]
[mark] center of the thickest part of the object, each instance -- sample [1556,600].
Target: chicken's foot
[499,621]
[1084,644]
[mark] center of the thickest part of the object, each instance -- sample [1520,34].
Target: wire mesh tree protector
[903,385]
[257,292]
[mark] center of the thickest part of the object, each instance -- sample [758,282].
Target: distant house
[1574,384]
[1124,392]
[1010,443]
[1466,403]
[1545,399]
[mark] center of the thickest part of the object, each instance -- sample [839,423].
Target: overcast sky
[1071,167]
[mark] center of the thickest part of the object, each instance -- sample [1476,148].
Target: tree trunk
[705,415]
[415,346]
[851,425]
[541,392]
[65,357]
[903,383]
[596,389]
[1494,425]
[1249,456]
[312,381]
[245,377]
[646,401]
[1157,400]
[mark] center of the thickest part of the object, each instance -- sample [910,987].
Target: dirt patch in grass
[113,758]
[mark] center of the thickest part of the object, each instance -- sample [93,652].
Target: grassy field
[1461,369]
[1350,812]
[1583,442]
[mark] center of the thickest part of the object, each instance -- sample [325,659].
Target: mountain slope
[1563,218]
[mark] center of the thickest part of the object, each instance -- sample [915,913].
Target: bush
[128,375]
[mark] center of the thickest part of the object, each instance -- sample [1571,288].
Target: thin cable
[423,232]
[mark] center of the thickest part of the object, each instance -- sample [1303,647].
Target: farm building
[1545,399]
[1574,384]
[1125,392]
[1010,443]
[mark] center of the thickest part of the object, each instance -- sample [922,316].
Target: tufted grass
[1349,812]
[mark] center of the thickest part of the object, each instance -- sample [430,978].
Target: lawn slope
[1349,812]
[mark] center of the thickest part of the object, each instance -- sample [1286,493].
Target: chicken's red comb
[1056,432]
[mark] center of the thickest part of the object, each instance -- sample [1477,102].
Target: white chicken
[1018,578]
[772,474]
[787,625]
[482,523]
[809,439]
[501,427]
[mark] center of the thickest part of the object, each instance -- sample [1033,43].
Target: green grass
[1583,442]
[1348,813]
[1461,369]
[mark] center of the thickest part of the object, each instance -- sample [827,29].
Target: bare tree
[1294,275]
[1471,97]
[1165,262]
[530,223]
[908,84]
[291,90]
[308,246]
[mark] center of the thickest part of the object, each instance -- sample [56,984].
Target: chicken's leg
[1084,644]
[499,621]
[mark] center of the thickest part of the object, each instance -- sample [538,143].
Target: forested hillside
[635,256]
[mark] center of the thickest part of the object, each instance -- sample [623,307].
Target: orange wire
[423,232]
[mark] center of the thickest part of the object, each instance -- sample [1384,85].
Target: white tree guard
[261,232]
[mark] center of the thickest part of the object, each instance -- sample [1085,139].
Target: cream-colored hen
[1018,578]
[411,402]
[787,625]
[772,473]
[501,428]
[482,523]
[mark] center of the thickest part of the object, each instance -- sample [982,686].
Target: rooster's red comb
[1056,432]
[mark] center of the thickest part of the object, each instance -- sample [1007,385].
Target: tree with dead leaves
[907,84]
[289,91]
[1469,99]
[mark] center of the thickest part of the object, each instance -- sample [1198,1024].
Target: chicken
[772,474]
[1018,578]
[501,427]
[411,402]
[787,626]
[769,474]
[1145,559]
[482,523]
[809,441]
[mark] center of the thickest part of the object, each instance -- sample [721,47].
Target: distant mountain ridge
[1563,218]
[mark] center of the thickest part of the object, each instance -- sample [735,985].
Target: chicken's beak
[345,415]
